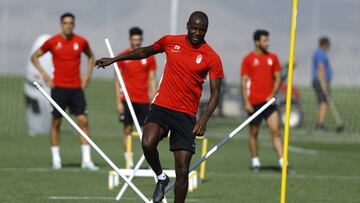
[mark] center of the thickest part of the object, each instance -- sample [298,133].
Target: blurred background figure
[322,75]
[67,85]
[140,81]
[260,81]
[38,110]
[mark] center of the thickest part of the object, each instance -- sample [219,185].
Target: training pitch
[326,164]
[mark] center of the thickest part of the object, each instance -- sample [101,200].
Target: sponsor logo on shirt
[176,48]
[76,46]
[58,45]
[143,61]
[198,59]
[270,62]
[256,62]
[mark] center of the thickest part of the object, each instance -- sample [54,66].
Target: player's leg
[322,107]
[253,146]
[77,105]
[182,162]
[55,142]
[60,96]
[152,135]
[128,127]
[273,123]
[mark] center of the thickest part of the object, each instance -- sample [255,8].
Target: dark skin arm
[215,87]
[136,54]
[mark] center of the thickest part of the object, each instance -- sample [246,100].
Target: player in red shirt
[67,86]
[140,81]
[189,60]
[260,80]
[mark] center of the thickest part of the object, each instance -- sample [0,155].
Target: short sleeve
[160,44]
[85,45]
[244,70]
[215,68]
[320,58]
[277,66]
[152,63]
[46,46]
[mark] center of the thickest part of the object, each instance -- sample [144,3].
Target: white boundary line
[103,198]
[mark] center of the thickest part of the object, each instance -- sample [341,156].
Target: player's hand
[200,127]
[101,63]
[249,108]
[47,79]
[85,81]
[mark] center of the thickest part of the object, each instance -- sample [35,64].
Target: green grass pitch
[326,164]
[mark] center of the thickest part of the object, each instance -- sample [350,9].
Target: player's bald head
[199,17]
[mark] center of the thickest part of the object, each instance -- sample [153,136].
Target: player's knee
[83,121]
[182,173]
[148,143]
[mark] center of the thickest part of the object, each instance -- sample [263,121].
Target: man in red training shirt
[189,60]
[67,86]
[260,80]
[140,82]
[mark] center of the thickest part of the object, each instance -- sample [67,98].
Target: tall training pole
[288,101]
[174,7]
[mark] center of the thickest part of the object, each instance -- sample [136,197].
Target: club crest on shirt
[256,62]
[198,59]
[76,46]
[270,62]
[58,45]
[176,48]
[143,61]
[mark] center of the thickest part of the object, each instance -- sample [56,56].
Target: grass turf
[326,164]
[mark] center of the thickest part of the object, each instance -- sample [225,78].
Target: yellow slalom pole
[203,153]
[288,101]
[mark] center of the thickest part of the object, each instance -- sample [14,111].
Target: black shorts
[181,126]
[73,98]
[264,115]
[141,111]
[321,97]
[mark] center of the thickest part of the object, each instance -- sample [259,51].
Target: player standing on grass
[140,81]
[322,75]
[260,80]
[67,86]
[189,60]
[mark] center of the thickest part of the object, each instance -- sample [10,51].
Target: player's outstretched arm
[136,54]
[215,88]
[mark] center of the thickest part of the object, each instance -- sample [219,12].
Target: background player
[260,80]
[67,86]
[322,75]
[140,81]
[189,60]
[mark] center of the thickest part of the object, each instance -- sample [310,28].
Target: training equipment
[225,140]
[288,101]
[340,126]
[91,143]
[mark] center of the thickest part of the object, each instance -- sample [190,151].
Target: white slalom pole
[133,115]
[92,144]
[225,140]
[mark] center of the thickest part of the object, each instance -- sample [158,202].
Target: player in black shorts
[140,81]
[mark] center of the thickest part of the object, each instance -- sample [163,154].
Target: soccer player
[260,80]
[67,86]
[189,60]
[322,74]
[140,81]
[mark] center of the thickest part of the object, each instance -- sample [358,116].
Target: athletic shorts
[141,111]
[264,115]
[72,98]
[321,97]
[181,126]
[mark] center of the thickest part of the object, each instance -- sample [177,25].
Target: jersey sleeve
[215,68]
[46,46]
[152,63]
[86,45]
[244,69]
[160,44]
[277,66]
[320,59]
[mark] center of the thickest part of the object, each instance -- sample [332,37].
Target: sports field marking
[102,198]
[298,150]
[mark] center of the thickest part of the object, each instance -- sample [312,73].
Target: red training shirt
[66,55]
[136,77]
[185,71]
[260,69]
